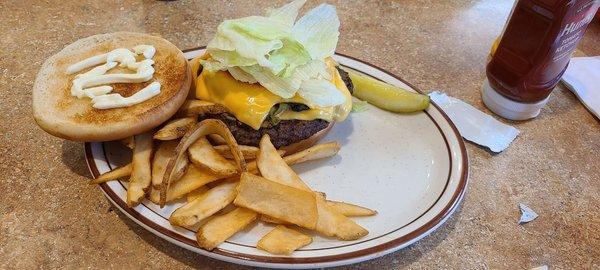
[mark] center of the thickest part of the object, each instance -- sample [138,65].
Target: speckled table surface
[51,218]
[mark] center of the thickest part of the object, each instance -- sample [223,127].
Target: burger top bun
[59,113]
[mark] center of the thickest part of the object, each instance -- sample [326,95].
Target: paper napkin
[582,77]
[474,125]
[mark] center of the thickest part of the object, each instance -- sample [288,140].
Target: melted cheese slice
[251,103]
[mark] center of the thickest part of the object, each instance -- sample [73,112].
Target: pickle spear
[386,96]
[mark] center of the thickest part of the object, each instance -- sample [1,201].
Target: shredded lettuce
[283,87]
[259,27]
[231,59]
[314,69]
[247,40]
[288,13]
[318,31]
[290,56]
[283,55]
[240,75]
[320,93]
[286,87]
[359,105]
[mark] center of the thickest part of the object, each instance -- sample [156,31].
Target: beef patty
[286,132]
[346,78]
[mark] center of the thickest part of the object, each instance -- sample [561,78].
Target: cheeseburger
[276,76]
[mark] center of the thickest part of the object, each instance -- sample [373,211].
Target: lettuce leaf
[240,75]
[288,13]
[318,31]
[252,39]
[286,87]
[359,105]
[320,93]
[290,56]
[283,87]
[259,27]
[231,59]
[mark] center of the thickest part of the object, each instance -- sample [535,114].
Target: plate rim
[322,261]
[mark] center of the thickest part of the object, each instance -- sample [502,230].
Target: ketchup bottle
[533,53]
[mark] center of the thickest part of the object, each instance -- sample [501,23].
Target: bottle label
[571,34]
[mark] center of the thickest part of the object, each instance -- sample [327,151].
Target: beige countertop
[51,218]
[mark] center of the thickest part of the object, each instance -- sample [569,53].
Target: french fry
[350,210]
[322,194]
[204,206]
[219,228]
[141,175]
[315,152]
[272,220]
[334,224]
[249,152]
[202,154]
[195,69]
[196,107]
[329,222]
[154,195]
[273,167]
[196,193]
[159,162]
[113,175]
[216,139]
[128,142]
[175,129]
[312,153]
[192,179]
[283,241]
[209,126]
[283,202]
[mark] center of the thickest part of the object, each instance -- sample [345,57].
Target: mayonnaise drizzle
[99,70]
[115,100]
[92,84]
[147,50]
[93,92]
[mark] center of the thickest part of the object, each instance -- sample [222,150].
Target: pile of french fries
[227,187]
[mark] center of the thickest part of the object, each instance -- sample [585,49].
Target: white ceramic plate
[411,168]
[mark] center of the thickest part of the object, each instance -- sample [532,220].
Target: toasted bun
[308,142]
[69,117]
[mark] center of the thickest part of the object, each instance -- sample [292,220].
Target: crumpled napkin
[582,77]
[474,125]
[527,214]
